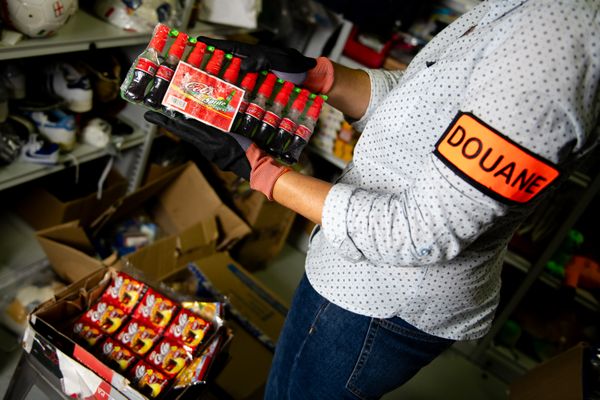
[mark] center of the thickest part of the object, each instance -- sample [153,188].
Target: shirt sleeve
[382,82]
[547,107]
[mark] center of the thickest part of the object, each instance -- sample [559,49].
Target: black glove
[226,150]
[257,57]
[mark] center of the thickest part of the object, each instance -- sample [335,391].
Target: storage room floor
[449,377]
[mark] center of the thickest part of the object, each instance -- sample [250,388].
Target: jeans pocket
[393,352]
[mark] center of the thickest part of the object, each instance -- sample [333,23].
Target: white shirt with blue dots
[405,235]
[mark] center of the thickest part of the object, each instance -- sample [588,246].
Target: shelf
[582,296]
[20,172]
[338,162]
[84,31]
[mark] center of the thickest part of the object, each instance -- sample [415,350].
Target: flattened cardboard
[559,378]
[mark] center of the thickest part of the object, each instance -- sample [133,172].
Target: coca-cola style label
[165,73]
[255,110]
[287,125]
[303,132]
[272,119]
[147,66]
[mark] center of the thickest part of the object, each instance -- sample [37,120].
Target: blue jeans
[325,352]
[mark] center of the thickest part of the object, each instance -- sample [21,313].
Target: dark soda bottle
[165,72]
[256,109]
[197,54]
[272,117]
[147,64]
[288,125]
[248,83]
[303,133]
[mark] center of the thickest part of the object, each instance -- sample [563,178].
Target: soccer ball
[37,18]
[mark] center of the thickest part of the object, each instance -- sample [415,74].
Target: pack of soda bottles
[193,80]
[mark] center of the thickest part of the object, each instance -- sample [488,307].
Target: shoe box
[193,221]
[61,197]
[270,222]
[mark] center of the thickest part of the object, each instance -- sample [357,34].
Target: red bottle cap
[267,86]
[315,108]
[159,38]
[233,71]
[215,63]
[178,47]
[300,101]
[284,93]
[249,81]
[195,57]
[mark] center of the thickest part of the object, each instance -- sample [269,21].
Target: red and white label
[165,73]
[287,125]
[303,132]
[271,119]
[492,162]
[243,107]
[147,66]
[255,110]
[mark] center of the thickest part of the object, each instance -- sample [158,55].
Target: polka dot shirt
[405,235]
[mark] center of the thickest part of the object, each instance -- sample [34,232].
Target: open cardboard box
[270,222]
[82,373]
[51,203]
[257,317]
[195,222]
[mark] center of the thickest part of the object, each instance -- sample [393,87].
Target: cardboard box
[53,202]
[559,378]
[257,319]
[190,214]
[82,374]
[270,222]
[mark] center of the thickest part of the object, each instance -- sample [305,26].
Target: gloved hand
[229,151]
[287,63]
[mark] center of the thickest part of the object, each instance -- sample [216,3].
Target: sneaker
[38,151]
[96,133]
[72,85]
[56,126]
[10,144]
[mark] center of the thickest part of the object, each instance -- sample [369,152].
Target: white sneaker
[72,85]
[57,126]
[97,133]
[40,152]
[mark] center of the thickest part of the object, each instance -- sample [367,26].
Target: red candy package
[117,354]
[188,329]
[150,380]
[138,336]
[90,333]
[105,316]
[124,292]
[155,310]
[170,357]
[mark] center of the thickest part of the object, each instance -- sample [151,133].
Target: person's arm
[302,194]
[351,91]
